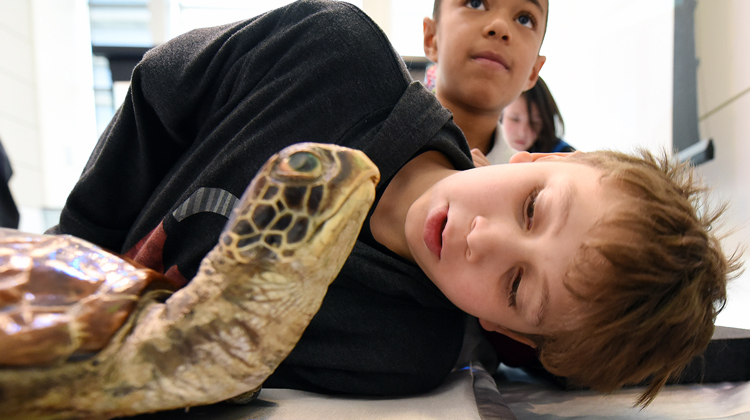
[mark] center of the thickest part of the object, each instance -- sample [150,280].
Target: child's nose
[491,240]
[498,28]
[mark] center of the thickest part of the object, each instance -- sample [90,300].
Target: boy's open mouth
[433,230]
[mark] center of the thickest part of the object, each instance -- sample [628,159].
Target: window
[121,30]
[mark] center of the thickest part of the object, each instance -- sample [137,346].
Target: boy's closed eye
[514,288]
[530,207]
[529,210]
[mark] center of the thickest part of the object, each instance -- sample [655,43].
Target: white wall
[722,45]
[65,96]
[19,128]
[46,101]
[609,67]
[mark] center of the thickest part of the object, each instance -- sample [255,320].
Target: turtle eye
[303,164]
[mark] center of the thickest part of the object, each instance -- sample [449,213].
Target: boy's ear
[491,326]
[429,29]
[540,60]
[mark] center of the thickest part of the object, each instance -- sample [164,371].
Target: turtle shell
[61,296]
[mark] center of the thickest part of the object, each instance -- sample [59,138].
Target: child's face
[487,51]
[520,130]
[497,240]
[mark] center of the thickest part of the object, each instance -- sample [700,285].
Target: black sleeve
[209,107]
[383,329]
[568,149]
[157,122]
[9,216]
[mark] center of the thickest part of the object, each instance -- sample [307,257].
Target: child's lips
[433,230]
[519,144]
[492,58]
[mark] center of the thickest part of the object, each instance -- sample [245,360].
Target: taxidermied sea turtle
[218,337]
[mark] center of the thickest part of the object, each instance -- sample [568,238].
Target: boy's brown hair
[650,279]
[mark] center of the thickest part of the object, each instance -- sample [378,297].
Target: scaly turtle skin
[53,292]
[225,332]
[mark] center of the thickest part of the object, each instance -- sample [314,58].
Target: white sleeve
[501,152]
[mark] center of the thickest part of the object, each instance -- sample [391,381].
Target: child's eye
[476,4]
[514,289]
[527,21]
[530,205]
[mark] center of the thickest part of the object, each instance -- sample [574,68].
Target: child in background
[485,53]
[533,122]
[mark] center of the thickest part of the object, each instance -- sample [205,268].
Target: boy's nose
[493,240]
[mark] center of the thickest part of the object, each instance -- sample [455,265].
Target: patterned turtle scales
[126,347]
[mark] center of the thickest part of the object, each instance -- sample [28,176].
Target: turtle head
[306,201]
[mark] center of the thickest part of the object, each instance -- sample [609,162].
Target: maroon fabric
[510,352]
[149,252]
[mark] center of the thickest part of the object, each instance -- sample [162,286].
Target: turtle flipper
[63,296]
[225,332]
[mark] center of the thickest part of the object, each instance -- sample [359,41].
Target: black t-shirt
[207,109]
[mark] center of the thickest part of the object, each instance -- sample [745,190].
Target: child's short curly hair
[650,279]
